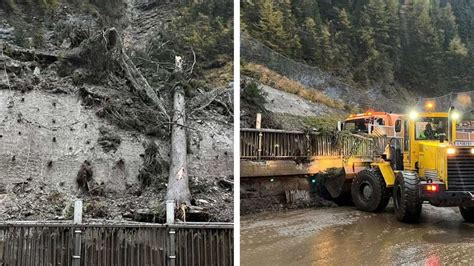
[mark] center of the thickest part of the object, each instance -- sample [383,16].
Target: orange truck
[372,122]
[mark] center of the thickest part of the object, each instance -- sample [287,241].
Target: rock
[203,201]
[108,139]
[128,215]
[37,72]
[129,101]
[144,215]
[66,43]
[221,110]
[6,33]
[225,184]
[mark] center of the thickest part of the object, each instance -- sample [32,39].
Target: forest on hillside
[425,46]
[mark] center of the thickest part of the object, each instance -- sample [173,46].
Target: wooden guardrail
[36,243]
[271,144]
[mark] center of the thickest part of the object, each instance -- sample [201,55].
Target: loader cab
[423,134]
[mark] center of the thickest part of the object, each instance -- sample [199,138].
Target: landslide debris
[84,56]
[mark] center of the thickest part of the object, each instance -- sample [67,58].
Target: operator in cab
[425,128]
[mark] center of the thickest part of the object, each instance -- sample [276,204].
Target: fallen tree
[178,182]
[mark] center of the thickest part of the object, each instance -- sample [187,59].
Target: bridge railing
[42,243]
[271,144]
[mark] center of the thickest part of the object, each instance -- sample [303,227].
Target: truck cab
[373,122]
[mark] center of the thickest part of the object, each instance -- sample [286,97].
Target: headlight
[455,115]
[429,106]
[413,115]
[451,151]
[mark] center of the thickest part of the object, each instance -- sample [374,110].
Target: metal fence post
[308,145]
[172,256]
[258,125]
[76,256]
[170,204]
[260,137]
[170,211]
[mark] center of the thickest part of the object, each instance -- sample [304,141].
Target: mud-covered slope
[57,113]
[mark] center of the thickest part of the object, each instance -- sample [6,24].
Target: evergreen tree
[271,28]
[393,44]
[367,53]
[343,43]
[457,47]
[309,40]
[325,55]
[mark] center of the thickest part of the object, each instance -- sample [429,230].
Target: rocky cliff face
[55,114]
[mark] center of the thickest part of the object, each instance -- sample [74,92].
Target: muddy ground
[345,236]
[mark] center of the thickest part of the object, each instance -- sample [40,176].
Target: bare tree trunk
[178,182]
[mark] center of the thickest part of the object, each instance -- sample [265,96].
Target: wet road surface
[345,236]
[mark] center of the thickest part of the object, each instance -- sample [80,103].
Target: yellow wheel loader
[425,164]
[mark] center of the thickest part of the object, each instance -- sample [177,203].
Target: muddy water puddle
[344,236]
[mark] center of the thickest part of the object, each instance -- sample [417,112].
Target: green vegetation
[203,28]
[20,36]
[38,37]
[8,5]
[424,45]
[48,3]
[151,172]
[68,212]
[111,8]
[253,96]
[323,123]
[96,209]
[12,5]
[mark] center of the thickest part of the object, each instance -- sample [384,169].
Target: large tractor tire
[467,213]
[369,192]
[406,197]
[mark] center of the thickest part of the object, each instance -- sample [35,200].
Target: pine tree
[366,52]
[271,28]
[445,22]
[457,47]
[303,9]
[422,53]
[393,40]
[343,43]
[290,26]
[309,40]
[325,54]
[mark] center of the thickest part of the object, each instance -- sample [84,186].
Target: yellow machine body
[426,157]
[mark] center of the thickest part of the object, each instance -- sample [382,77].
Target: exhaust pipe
[450,127]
